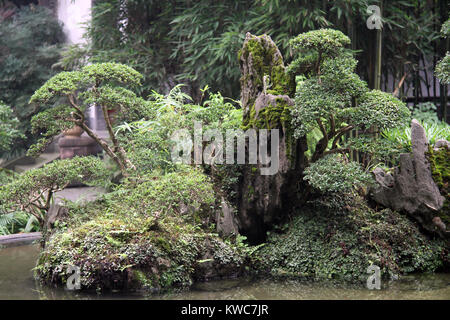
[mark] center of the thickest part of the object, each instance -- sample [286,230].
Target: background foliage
[29,45]
[196,42]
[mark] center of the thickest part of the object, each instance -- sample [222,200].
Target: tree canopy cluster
[30,44]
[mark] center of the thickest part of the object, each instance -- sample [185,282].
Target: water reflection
[16,282]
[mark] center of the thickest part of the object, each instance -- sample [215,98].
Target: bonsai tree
[331,100]
[32,192]
[443,67]
[8,128]
[70,93]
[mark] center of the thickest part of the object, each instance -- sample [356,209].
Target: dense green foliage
[443,67]
[334,174]
[32,192]
[29,45]
[339,237]
[440,169]
[330,101]
[173,41]
[97,84]
[149,140]
[6,176]
[8,128]
[150,235]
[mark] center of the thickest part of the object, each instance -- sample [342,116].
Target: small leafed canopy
[332,173]
[325,41]
[443,67]
[33,190]
[330,96]
[331,101]
[8,128]
[70,93]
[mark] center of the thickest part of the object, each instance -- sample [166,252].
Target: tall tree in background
[29,45]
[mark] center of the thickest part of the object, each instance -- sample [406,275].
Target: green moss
[339,237]
[263,63]
[139,236]
[267,63]
[282,83]
[440,168]
[271,117]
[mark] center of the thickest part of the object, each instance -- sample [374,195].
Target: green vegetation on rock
[339,237]
[440,169]
[33,191]
[150,235]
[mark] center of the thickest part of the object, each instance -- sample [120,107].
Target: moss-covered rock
[266,98]
[263,71]
[155,235]
[440,169]
[340,237]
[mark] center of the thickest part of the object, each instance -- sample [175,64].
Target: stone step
[42,160]
[19,238]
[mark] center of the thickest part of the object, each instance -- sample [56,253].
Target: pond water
[16,282]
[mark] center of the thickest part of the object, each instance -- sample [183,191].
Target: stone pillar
[266,96]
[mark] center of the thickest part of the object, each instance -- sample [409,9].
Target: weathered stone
[411,188]
[226,222]
[441,143]
[257,52]
[55,213]
[385,179]
[262,70]
[265,95]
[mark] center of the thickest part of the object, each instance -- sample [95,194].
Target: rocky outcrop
[411,187]
[441,143]
[226,222]
[54,214]
[266,92]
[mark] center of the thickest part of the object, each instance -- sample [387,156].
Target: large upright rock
[411,188]
[262,67]
[226,224]
[266,91]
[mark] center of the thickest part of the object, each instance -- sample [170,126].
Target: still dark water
[16,282]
